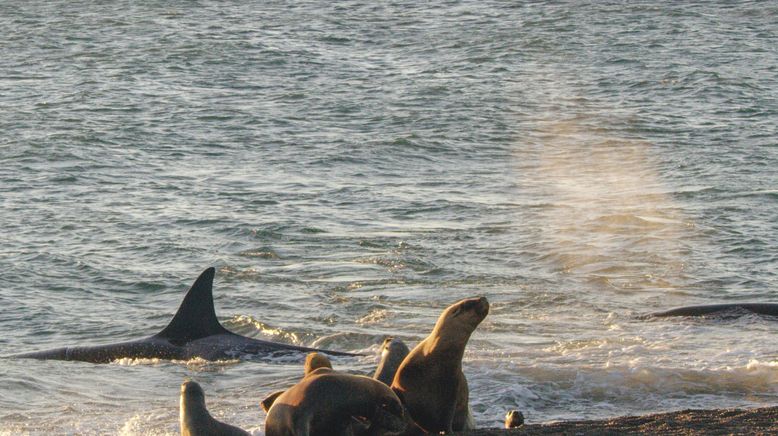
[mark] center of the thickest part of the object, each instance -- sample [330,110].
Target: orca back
[196,317]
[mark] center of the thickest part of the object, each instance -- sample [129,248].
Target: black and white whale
[711,309]
[193,332]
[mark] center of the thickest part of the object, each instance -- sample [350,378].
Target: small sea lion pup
[514,419]
[393,351]
[313,361]
[329,403]
[430,380]
[195,419]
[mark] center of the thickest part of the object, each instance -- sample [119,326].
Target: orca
[758,308]
[194,332]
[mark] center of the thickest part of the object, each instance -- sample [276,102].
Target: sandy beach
[763,421]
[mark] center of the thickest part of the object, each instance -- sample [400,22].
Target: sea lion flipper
[268,401]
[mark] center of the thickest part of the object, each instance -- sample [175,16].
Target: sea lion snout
[479,305]
[482,306]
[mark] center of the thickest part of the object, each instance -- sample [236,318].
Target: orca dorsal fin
[196,317]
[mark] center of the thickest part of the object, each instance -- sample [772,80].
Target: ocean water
[352,168]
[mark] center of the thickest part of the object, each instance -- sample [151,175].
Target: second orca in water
[758,308]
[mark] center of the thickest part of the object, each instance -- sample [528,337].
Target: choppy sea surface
[352,168]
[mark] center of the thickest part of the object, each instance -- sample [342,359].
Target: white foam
[239,323]
[139,425]
[194,363]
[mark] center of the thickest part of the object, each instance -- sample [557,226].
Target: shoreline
[761,421]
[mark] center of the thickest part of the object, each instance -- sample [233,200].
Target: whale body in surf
[710,309]
[194,332]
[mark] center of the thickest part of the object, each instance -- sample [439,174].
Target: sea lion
[393,351]
[329,403]
[514,419]
[430,379]
[195,419]
[313,361]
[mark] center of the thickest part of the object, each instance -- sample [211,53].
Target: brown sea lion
[195,419]
[329,403]
[514,419]
[393,351]
[430,379]
[313,361]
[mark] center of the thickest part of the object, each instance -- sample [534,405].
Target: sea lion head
[394,346]
[191,407]
[393,351]
[314,361]
[514,419]
[191,394]
[464,315]
[390,413]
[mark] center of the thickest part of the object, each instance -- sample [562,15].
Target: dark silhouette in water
[193,332]
[758,308]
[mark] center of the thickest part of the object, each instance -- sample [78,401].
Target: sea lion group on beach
[412,392]
[416,392]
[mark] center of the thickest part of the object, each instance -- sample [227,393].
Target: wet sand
[762,421]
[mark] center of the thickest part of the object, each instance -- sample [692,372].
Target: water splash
[609,220]
[196,363]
